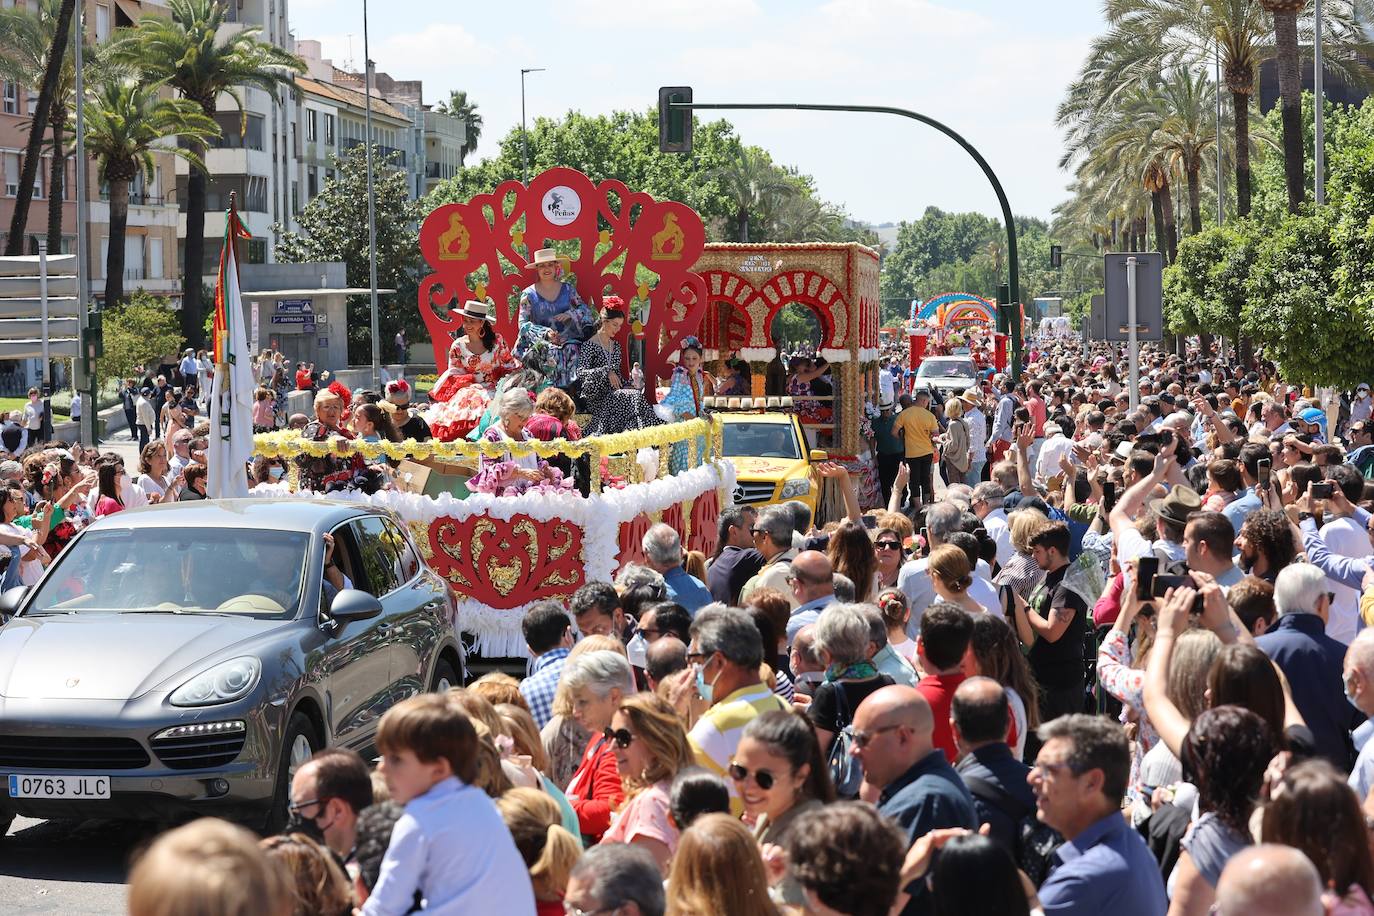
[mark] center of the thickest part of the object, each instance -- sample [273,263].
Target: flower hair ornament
[49,474]
[397,386]
[342,391]
[691,343]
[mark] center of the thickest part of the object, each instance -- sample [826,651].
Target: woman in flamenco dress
[476,362]
[690,384]
[551,309]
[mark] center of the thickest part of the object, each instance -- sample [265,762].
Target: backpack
[846,772]
[1036,841]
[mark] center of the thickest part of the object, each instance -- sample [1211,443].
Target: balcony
[134,273]
[398,156]
[138,198]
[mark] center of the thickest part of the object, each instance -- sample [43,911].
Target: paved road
[67,868]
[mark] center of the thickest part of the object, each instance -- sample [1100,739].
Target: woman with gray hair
[596,683]
[843,642]
[510,474]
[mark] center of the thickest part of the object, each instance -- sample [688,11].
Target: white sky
[994,70]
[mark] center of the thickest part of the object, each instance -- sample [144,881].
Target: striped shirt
[717,733]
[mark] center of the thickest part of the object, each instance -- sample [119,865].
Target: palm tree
[1147,37]
[753,184]
[14,245]
[1285,13]
[459,107]
[28,34]
[1187,133]
[126,120]
[192,53]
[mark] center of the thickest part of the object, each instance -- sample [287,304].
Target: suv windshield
[953,368]
[244,572]
[760,440]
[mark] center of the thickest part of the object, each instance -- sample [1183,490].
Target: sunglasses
[762,778]
[621,736]
[888,545]
[863,739]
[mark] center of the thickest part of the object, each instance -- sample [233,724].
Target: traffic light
[1056,257]
[95,336]
[674,124]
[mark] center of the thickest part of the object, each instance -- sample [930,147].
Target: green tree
[334,228]
[624,146]
[125,121]
[52,70]
[201,55]
[460,107]
[140,331]
[1205,291]
[1292,307]
[26,36]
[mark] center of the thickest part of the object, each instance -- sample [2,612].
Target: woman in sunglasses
[887,544]
[780,775]
[650,747]
[597,683]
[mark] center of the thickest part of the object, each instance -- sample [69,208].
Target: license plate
[22,786]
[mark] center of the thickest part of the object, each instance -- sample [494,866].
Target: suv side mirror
[817,455]
[10,600]
[350,604]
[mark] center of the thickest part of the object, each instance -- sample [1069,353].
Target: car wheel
[444,677]
[298,745]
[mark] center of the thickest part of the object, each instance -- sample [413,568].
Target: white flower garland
[600,517]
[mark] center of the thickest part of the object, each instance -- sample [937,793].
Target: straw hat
[543,256]
[475,308]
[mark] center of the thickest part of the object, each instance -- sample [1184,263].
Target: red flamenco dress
[462,393]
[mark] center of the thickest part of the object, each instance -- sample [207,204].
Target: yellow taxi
[768,447]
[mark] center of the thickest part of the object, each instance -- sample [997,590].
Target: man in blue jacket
[1312,661]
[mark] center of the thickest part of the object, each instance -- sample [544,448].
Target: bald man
[1270,880]
[812,581]
[894,740]
[1358,674]
[666,655]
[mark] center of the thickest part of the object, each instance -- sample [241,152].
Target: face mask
[638,651]
[704,690]
[276,472]
[297,824]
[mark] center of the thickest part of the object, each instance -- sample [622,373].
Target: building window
[11,174]
[311,125]
[11,98]
[312,183]
[234,133]
[329,129]
[257,251]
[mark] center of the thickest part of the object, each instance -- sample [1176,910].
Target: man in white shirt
[189,367]
[145,415]
[1363,405]
[887,386]
[1344,537]
[1001,425]
[1057,447]
[977,424]
[987,505]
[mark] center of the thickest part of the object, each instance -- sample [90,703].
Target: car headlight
[223,683]
[794,488]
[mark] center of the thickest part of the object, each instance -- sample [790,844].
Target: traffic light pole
[1007,218]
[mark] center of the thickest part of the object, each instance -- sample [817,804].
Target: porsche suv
[184,659]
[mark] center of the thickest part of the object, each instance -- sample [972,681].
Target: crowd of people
[1089,658]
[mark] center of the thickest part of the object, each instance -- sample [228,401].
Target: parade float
[501,553]
[954,322]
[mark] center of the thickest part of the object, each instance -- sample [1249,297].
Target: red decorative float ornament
[628,244]
[507,563]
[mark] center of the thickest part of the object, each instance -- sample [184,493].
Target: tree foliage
[962,252]
[141,332]
[1205,290]
[334,228]
[730,184]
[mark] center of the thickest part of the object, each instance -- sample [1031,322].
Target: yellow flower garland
[289,444]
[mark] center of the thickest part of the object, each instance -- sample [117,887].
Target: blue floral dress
[568,315]
[683,402]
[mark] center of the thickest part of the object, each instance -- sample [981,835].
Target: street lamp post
[524,145]
[1318,98]
[371,213]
